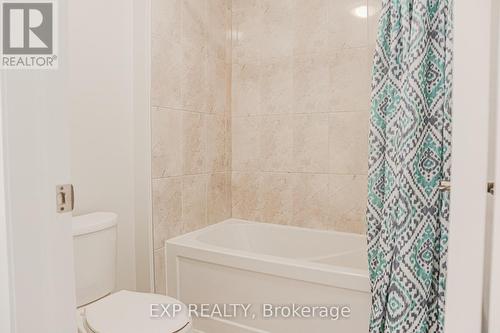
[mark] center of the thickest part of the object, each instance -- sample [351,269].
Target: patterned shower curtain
[410,148]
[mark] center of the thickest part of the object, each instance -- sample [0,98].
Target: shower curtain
[410,148]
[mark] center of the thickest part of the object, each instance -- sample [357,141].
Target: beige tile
[374,12]
[348,202]
[219,206]
[350,79]
[346,28]
[245,197]
[275,198]
[216,143]
[310,143]
[276,38]
[276,86]
[167,210]
[311,27]
[311,84]
[194,90]
[349,142]
[245,143]
[246,31]
[194,143]
[216,86]
[160,273]
[276,143]
[194,202]
[228,143]
[246,98]
[311,201]
[166,52]
[166,142]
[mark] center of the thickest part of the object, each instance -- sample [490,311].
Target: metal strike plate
[64,198]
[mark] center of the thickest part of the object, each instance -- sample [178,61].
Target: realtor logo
[28,35]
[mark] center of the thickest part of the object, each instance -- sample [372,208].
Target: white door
[36,159]
[472,104]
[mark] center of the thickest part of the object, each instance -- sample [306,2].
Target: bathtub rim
[187,246]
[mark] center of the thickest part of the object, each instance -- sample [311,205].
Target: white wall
[102,112]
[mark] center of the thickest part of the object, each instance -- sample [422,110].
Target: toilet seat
[130,312]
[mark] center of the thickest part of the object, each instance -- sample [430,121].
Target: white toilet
[99,310]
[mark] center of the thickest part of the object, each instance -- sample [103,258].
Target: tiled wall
[300,101]
[190,119]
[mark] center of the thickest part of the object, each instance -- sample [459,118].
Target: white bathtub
[263,265]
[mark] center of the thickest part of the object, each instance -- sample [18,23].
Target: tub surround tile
[311,201]
[311,27]
[275,198]
[245,195]
[374,12]
[166,142]
[218,199]
[310,143]
[194,202]
[349,143]
[167,210]
[347,29]
[276,143]
[246,89]
[160,282]
[246,143]
[166,53]
[348,202]
[276,86]
[350,79]
[311,84]
[216,143]
[277,30]
[194,143]
[191,118]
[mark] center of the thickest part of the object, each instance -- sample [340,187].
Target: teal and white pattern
[410,153]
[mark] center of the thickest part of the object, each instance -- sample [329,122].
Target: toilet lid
[131,312]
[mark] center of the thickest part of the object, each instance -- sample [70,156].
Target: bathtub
[276,272]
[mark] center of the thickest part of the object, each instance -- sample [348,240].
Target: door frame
[471,111]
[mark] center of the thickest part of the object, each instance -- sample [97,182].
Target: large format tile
[311,201]
[166,142]
[276,143]
[311,84]
[349,142]
[194,143]
[310,143]
[246,89]
[194,202]
[245,195]
[311,27]
[348,202]
[218,198]
[246,143]
[216,143]
[167,210]
[350,79]
[166,52]
[275,198]
[160,279]
[348,23]
[276,40]
[276,86]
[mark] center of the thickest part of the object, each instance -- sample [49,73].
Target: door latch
[64,198]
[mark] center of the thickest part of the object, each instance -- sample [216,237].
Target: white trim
[6,290]
[471,108]
[142,143]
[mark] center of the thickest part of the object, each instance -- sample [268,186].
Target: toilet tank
[94,243]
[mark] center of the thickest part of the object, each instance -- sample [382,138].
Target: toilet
[99,308]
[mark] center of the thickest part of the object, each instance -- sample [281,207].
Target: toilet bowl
[100,310]
[130,312]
